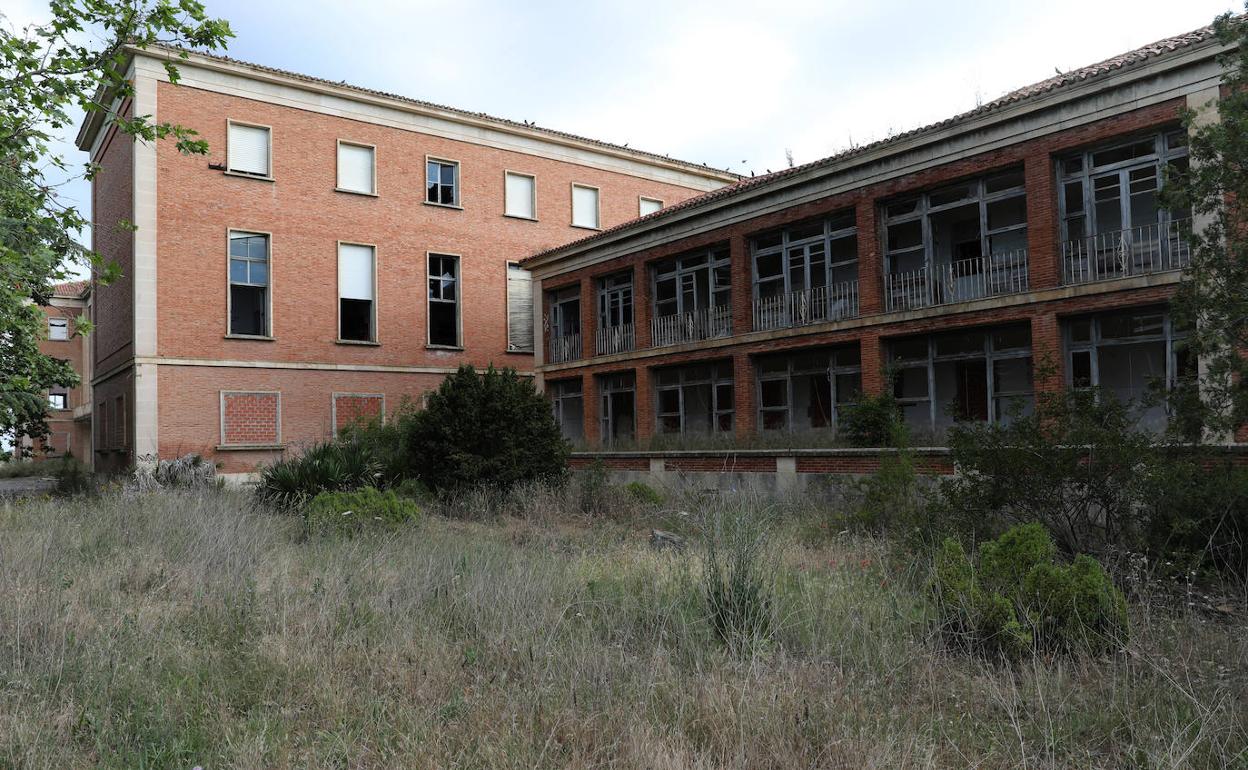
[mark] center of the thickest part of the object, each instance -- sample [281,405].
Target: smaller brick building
[69,409]
[1003,252]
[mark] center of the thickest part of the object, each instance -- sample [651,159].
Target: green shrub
[1016,598]
[593,486]
[413,489]
[1197,513]
[349,513]
[737,579]
[331,467]
[490,428]
[643,493]
[875,421]
[385,443]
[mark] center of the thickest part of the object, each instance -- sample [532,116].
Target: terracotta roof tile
[74,289]
[1058,82]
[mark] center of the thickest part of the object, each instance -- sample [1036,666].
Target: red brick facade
[352,408]
[251,419]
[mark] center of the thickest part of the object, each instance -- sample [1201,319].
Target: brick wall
[112,203]
[250,418]
[351,408]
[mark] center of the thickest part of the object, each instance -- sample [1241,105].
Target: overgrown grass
[174,630]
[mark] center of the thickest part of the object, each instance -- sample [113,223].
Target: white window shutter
[584,206]
[649,206]
[355,168]
[355,271]
[249,149]
[519,196]
[519,309]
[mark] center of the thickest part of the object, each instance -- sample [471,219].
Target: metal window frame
[685,380]
[791,372]
[430,299]
[716,256]
[829,235]
[1169,336]
[608,385]
[609,285]
[230,232]
[455,184]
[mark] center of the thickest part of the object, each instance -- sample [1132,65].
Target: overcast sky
[732,84]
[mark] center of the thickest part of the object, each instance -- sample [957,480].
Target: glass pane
[257,247]
[238,247]
[910,349]
[1138,149]
[1135,324]
[260,273]
[906,235]
[805,231]
[238,271]
[1080,330]
[1081,368]
[848,387]
[1107,193]
[1011,338]
[1004,181]
[848,356]
[1072,165]
[1073,197]
[768,240]
[1008,212]
[770,265]
[1144,197]
[1011,375]
[902,207]
[960,343]
[669,401]
[911,383]
[953,193]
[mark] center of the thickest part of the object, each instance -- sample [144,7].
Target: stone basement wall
[784,470]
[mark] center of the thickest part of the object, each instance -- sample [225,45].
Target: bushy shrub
[643,493]
[1016,598]
[1197,512]
[891,499]
[1078,464]
[190,471]
[875,421]
[385,444]
[349,513]
[737,579]
[330,467]
[488,428]
[413,489]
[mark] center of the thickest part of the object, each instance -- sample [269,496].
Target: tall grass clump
[738,577]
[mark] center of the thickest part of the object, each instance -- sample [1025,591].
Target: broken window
[692,296]
[1136,355]
[806,273]
[564,324]
[974,374]
[519,309]
[617,413]
[615,313]
[442,182]
[58,399]
[249,284]
[356,306]
[1112,221]
[694,399]
[809,390]
[444,300]
[956,243]
[567,400]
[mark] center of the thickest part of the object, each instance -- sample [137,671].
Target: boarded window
[584,206]
[250,418]
[521,196]
[58,328]
[352,408]
[355,168]
[649,206]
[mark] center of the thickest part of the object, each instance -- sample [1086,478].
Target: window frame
[685,379]
[786,243]
[459,295]
[229,282]
[268,176]
[338,167]
[1169,337]
[374,336]
[607,384]
[457,188]
[597,226]
[221,418]
[58,322]
[533,177]
[64,397]
[608,285]
[558,396]
[833,370]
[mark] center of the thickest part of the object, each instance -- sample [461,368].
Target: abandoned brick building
[1016,248]
[338,250]
[69,409]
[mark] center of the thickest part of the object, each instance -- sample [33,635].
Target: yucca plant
[289,484]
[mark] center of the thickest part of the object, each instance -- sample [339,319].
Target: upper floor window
[357,168]
[519,309]
[692,296]
[648,205]
[806,273]
[357,312]
[956,243]
[520,195]
[58,399]
[1112,221]
[444,300]
[442,182]
[249,284]
[58,328]
[584,206]
[249,149]
[615,313]
[564,324]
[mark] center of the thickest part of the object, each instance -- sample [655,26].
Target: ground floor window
[617,412]
[973,374]
[807,390]
[568,402]
[1135,354]
[694,399]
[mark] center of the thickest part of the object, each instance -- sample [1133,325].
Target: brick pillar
[589,391]
[745,407]
[742,284]
[1043,267]
[589,316]
[642,305]
[643,404]
[872,353]
[1046,353]
[870,262]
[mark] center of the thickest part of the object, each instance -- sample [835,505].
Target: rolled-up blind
[355,168]
[519,309]
[649,206]
[355,271]
[584,206]
[519,195]
[249,149]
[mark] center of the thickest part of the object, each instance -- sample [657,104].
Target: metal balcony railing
[1154,248]
[565,347]
[961,281]
[704,324]
[615,339]
[801,308]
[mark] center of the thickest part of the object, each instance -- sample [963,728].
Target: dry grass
[176,630]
